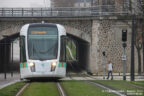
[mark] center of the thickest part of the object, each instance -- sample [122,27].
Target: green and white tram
[42,51]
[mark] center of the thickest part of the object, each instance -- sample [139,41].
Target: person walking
[110,68]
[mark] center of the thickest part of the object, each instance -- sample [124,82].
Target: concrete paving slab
[9,80]
[137,78]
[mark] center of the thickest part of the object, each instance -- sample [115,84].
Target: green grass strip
[123,86]
[11,90]
[80,88]
[41,89]
[139,83]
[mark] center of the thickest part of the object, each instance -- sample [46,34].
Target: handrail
[63,11]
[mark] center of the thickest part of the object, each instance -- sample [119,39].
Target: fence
[64,12]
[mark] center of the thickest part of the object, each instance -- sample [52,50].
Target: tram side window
[63,49]
[22,49]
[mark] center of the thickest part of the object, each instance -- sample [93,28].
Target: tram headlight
[53,66]
[54,63]
[31,64]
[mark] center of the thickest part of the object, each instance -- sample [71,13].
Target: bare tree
[137,8]
[143,41]
[63,3]
[141,8]
[138,42]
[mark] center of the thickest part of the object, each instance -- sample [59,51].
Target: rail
[61,90]
[22,89]
[64,12]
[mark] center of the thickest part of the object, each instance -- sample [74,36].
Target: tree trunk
[139,61]
[143,42]
[143,56]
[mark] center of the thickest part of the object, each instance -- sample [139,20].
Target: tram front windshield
[43,43]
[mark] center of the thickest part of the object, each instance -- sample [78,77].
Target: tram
[42,51]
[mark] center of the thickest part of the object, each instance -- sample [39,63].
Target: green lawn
[41,89]
[11,90]
[74,88]
[138,83]
[80,88]
[124,86]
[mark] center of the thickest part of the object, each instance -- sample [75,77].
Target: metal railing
[63,12]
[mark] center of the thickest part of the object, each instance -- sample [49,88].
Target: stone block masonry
[107,36]
[102,35]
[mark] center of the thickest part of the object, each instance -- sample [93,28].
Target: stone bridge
[93,34]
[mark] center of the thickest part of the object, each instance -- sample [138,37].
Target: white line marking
[111,90]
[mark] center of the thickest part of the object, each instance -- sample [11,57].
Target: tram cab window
[22,49]
[63,49]
[42,42]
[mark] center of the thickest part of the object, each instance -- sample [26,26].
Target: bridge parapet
[102,10]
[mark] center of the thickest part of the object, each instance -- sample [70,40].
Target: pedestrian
[110,68]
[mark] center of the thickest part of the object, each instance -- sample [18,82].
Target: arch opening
[7,56]
[83,48]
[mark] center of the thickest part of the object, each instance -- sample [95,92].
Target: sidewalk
[119,76]
[137,78]
[9,80]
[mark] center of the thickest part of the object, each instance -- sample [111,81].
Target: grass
[139,83]
[11,90]
[78,88]
[74,88]
[72,47]
[124,86]
[41,89]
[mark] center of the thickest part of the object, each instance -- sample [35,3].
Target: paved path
[9,80]
[137,78]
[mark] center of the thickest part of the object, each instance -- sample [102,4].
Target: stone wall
[78,28]
[103,35]
[106,36]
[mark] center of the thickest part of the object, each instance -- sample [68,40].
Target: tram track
[104,86]
[60,89]
[107,88]
[22,89]
[122,93]
[88,80]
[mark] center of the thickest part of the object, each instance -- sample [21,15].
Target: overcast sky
[24,3]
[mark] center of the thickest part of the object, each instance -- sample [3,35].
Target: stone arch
[77,33]
[9,28]
[78,28]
